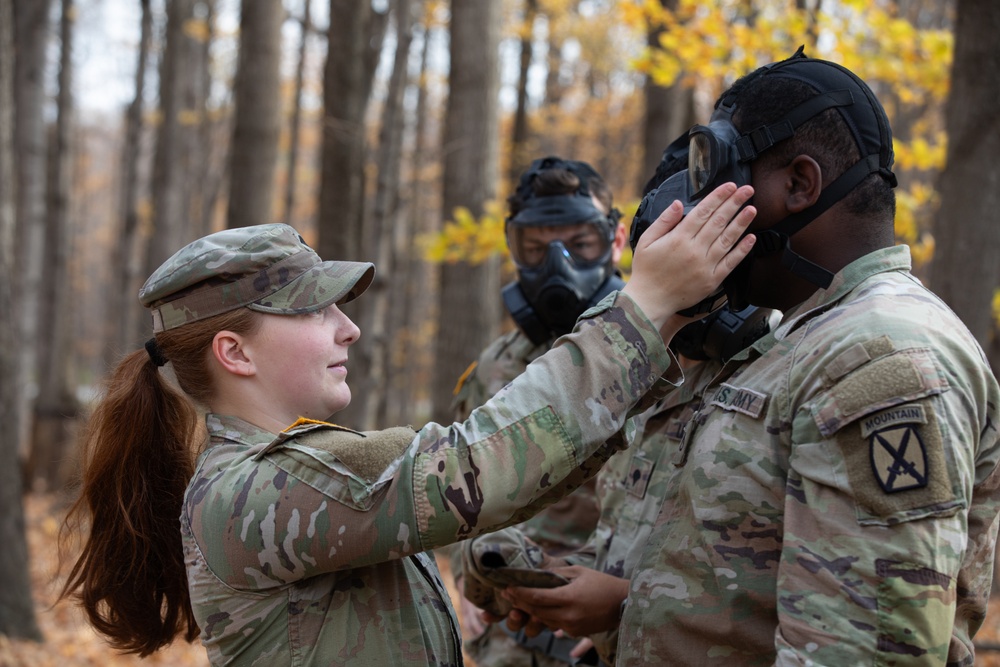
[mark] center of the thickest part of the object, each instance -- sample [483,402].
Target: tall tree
[353,43]
[554,64]
[212,153]
[966,272]
[379,236]
[520,151]
[177,152]
[125,251]
[669,110]
[17,609]
[469,316]
[257,121]
[31,37]
[305,24]
[414,308]
[56,408]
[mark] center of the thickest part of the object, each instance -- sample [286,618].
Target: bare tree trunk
[414,307]
[174,160]
[293,141]
[469,317]
[126,252]
[520,151]
[56,409]
[553,86]
[257,122]
[669,112]
[378,235]
[967,237]
[353,43]
[31,20]
[211,167]
[17,609]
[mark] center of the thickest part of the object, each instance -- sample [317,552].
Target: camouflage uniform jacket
[306,549]
[566,524]
[835,502]
[631,487]
[560,528]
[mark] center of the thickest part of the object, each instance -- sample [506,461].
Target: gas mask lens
[703,160]
[587,243]
[713,159]
[701,166]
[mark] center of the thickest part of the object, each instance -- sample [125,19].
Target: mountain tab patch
[896,447]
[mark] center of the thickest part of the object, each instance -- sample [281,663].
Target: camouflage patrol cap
[267,268]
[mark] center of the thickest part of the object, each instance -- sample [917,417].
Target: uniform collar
[845,281]
[229,429]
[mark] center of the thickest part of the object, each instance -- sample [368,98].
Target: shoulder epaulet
[303,425]
[366,453]
[464,377]
[300,427]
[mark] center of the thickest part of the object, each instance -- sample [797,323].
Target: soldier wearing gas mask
[630,488]
[565,238]
[834,499]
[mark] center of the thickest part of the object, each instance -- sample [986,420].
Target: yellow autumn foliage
[707,44]
[722,39]
[921,153]
[913,205]
[466,238]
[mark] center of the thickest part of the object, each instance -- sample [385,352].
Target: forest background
[392,131]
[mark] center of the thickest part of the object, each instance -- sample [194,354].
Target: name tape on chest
[740,399]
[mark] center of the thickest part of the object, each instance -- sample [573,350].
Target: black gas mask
[720,153]
[722,332]
[561,273]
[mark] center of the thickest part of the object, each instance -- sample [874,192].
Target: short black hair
[762,100]
[559,181]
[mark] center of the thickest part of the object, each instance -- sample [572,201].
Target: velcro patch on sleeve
[896,463]
[367,454]
[857,355]
[889,380]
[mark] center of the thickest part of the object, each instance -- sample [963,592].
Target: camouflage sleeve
[543,433]
[881,555]
[499,363]
[394,493]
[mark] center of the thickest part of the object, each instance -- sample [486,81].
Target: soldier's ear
[618,245]
[805,183]
[229,351]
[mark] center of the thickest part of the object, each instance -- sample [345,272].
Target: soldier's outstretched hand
[681,259]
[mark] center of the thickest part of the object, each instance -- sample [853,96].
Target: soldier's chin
[343,400]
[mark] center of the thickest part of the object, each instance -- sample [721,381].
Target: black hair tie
[155,353]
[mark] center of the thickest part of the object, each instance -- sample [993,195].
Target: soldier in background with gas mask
[566,239]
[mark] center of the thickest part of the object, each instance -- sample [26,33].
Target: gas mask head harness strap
[840,89]
[561,273]
[719,152]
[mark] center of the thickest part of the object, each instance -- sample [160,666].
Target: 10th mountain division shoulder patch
[896,447]
[896,464]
